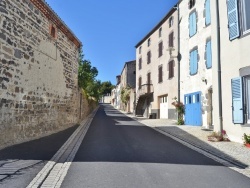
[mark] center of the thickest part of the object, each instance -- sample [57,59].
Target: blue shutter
[208,55]
[195,56]
[194,23]
[191,25]
[233,19]
[237,100]
[193,62]
[208,16]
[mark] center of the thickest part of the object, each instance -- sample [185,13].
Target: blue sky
[110,29]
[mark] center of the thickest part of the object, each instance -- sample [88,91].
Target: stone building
[157,69]
[128,79]
[38,72]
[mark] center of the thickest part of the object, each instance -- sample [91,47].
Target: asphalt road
[20,163]
[119,152]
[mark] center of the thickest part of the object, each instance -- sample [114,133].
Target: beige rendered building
[156,71]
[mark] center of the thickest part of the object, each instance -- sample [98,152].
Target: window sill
[247,33]
[246,125]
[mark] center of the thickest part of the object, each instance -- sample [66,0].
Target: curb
[230,163]
[55,170]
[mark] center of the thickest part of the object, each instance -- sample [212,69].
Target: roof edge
[171,11]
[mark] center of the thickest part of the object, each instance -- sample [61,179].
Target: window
[171,40]
[149,57]
[238,19]
[149,42]
[140,50]
[192,24]
[171,21]
[53,31]
[160,48]
[208,55]
[160,32]
[247,81]
[241,99]
[160,74]
[193,66]
[171,69]
[140,63]
[245,8]
[207,12]
[191,4]
[139,83]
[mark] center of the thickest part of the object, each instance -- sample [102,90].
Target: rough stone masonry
[38,73]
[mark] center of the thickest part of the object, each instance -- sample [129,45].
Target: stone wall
[38,75]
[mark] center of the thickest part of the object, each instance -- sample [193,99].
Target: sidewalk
[235,153]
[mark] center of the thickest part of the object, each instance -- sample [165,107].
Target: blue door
[193,114]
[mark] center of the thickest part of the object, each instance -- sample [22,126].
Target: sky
[110,29]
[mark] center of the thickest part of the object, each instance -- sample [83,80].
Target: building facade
[157,69]
[234,59]
[196,61]
[128,79]
[38,72]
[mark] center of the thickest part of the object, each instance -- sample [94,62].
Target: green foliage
[125,94]
[87,78]
[180,108]
[246,138]
[106,87]
[180,121]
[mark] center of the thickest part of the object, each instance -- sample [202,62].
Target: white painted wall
[234,55]
[190,84]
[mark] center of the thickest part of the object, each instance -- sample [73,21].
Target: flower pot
[215,138]
[247,145]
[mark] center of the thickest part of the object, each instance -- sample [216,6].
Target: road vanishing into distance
[119,152]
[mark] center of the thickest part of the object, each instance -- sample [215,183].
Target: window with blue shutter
[237,101]
[233,19]
[207,11]
[192,24]
[193,62]
[208,55]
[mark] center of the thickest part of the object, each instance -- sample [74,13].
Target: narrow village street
[117,151]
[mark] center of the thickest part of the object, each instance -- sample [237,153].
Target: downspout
[219,66]
[179,55]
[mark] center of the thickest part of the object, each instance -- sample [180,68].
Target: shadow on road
[40,149]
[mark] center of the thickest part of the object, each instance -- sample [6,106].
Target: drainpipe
[179,55]
[219,66]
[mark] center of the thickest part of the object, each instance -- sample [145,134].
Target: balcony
[145,90]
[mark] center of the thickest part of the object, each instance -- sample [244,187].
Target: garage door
[193,115]
[164,107]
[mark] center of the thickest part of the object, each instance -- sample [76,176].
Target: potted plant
[215,137]
[180,109]
[246,140]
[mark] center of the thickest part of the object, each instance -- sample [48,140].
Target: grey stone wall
[131,74]
[38,75]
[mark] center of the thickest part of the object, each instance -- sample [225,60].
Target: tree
[106,87]
[87,78]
